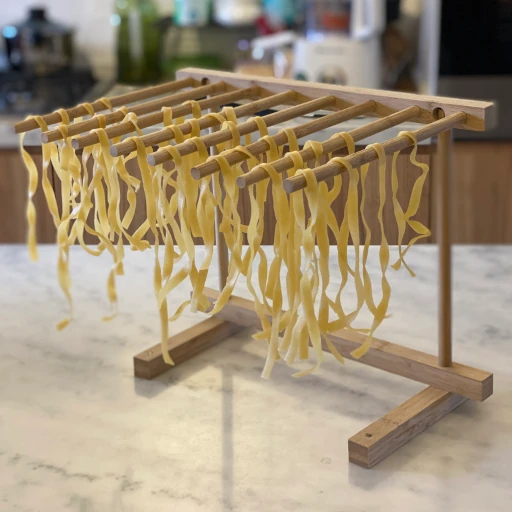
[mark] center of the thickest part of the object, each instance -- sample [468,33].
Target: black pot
[37,45]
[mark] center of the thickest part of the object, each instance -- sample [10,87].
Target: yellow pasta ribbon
[404,218]
[379,312]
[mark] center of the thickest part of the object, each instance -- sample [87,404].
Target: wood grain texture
[13,201]
[384,436]
[482,184]
[183,346]
[481,115]
[413,364]
[443,213]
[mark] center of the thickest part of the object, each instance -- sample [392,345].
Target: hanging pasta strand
[404,218]
[290,285]
[379,311]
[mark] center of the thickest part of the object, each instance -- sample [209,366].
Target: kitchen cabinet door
[482,192]
[13,201]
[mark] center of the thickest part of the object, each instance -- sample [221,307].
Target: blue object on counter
[192,13]
[281,11]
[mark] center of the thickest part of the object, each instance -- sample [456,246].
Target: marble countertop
[78,432]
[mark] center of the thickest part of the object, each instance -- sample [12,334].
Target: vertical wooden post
[443,224]
[222,248]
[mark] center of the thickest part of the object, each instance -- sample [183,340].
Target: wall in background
[94,34]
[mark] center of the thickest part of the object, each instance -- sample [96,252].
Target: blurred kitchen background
[57,53]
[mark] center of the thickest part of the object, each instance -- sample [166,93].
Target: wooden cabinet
[482,186]
[13,201]
[482,192]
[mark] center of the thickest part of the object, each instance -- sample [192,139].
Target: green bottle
[139,41]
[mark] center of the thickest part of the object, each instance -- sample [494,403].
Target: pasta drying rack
[449,383]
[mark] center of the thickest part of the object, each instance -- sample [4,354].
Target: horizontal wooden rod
[118,116]
[481,115]
[115,101]
[139,110]
[367,155]
[413,364]
[212,139]
[155,118]
[303,130]
[152,139]
[329,146]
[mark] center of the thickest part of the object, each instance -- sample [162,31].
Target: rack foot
[380,439]
[183,346]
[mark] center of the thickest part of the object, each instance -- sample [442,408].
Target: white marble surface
[79,433]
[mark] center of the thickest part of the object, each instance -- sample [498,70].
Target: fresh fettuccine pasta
[291,284]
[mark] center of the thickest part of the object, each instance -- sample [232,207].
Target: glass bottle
[139,41]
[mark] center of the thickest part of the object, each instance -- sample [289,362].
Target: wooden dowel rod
[220,241]
[443,225]
[116,101]
[258,174]
[139,110]
[259,147]
[152,139]
[367,155]
[188,147]
[158,117]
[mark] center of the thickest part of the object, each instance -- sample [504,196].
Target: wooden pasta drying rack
[449,383]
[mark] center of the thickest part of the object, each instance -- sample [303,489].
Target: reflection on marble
[79,433]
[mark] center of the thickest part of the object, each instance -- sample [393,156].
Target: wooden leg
[220,241]
[380,439]
[183,346]
[443,225]
[466,381]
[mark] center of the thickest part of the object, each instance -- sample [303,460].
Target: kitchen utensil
[37,45]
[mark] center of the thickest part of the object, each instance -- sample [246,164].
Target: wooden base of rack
[183,346]
[448,386]
[384,436]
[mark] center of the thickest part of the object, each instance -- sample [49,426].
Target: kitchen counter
[78,432]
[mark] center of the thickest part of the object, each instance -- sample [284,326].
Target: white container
[339,60]
[232,13]
[191,13]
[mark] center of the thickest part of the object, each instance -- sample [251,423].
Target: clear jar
[139,41]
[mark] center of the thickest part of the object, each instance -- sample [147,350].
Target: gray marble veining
[79,433]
